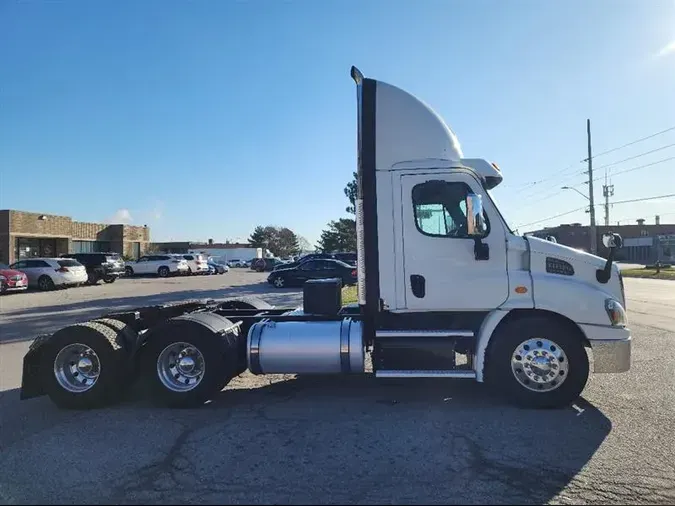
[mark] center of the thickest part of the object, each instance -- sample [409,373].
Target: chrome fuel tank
[306,347]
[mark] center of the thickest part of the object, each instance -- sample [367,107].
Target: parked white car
[162,265]
[197,263]
[236,263]
[48,273]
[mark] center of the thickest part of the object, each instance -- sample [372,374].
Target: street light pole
[572,188]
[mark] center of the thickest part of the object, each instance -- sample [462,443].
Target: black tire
[572,367]
[93,278]
[189,271]
[163,271]
[220,355]
[131,342]
[45,283]
[110,279]
[112,355]
[128,271]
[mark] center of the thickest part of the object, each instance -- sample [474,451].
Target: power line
[571,166]
[641,199]
[661,215]
[551,217]
[632,169]
[636,156]
[634,142]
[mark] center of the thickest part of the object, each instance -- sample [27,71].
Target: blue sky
[204,119]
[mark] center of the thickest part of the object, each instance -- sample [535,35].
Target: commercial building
[25,234]
[222,251]
[642,243]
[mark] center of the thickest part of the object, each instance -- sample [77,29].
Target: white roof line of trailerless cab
[411,135]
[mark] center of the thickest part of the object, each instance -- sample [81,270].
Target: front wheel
[537,363]
[129,271]
[279,282]
[110,279]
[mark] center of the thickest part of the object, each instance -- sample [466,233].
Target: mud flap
[31,385]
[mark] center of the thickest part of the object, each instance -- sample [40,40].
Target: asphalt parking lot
[287,439]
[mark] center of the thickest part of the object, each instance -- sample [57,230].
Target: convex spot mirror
[612,241]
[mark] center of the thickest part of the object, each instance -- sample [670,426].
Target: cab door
[442,270]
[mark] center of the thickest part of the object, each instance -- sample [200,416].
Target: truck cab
[440,268]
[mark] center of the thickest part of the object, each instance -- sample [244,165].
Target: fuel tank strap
[254,348]
[345,361]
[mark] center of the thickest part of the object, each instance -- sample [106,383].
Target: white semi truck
[445,289]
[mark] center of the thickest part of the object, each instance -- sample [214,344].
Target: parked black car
[100,266]
[348,258]
[313,269]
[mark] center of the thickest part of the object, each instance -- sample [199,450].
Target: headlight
[616,313]
[2,278]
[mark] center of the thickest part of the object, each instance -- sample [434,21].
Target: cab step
[464,374]
[424,353]
[383,334]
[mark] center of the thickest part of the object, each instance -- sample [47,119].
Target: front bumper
[113,273]
[611,348]
[13,288]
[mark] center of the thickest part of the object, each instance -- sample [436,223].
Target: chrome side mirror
[476,226]
[612,241]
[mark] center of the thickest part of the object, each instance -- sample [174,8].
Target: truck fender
[485,332]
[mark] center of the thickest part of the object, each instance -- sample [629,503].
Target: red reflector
[354,273]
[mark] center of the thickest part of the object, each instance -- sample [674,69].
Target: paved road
[651,302]
[351,440]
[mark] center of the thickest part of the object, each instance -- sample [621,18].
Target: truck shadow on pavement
[337,440]
[25,324]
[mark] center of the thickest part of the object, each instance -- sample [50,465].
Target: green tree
[339,236]
[281,241]
[286,242]
[351,191]
[261,237]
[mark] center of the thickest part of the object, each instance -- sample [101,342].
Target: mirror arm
[481,251]
[603,275]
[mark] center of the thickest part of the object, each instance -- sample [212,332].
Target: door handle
[418,285]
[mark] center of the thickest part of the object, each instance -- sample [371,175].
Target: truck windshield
[499,210]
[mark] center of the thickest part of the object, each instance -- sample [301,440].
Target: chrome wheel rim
[279,282]
[180,367]
[77,368]
[44,283]
[539,365]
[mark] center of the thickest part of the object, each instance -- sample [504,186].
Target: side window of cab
[440,209]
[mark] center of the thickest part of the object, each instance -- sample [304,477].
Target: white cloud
[121,216]
[667,49]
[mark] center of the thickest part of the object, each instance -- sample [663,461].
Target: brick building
[642,243]
[24,234]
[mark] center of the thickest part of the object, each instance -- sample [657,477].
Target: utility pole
[594,234]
